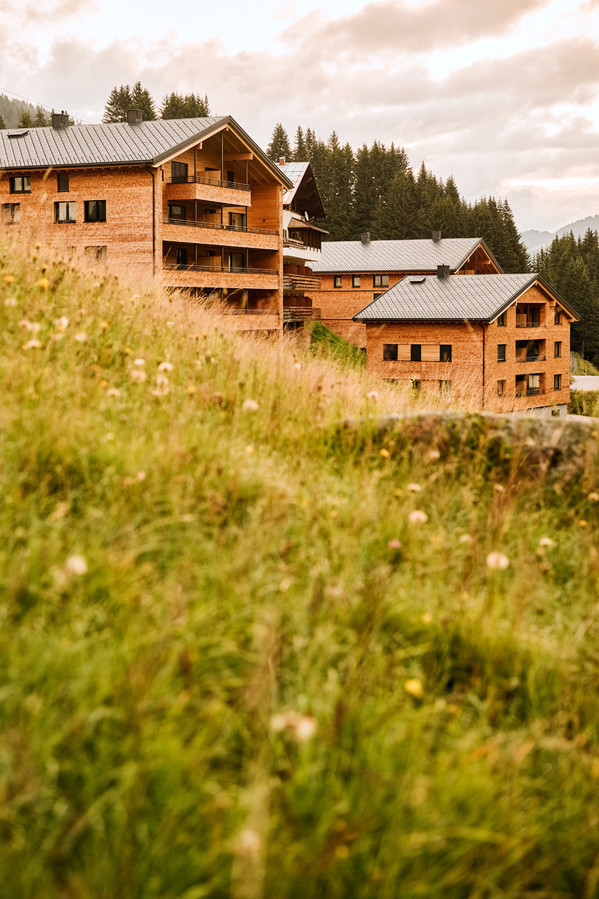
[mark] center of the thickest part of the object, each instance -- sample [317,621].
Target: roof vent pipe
[281,160]
[365,238]
[134,116]
[436,236]
[60,120]
[443,272]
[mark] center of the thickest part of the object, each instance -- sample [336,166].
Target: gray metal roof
[117,144]
[396,255]
[295,171]
[458,297]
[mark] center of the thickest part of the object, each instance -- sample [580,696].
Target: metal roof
[295,171]
[117,144]
[397,255]
[455,298]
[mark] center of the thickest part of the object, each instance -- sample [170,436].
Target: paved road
[585,382]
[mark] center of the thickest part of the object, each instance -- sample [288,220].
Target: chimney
[436,236]
[443,272]
[281,160]
[134,116]
[60,120]
[365,238]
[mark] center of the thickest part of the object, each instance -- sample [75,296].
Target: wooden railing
[218,226]
[301,314]
[234,269]
[300,282]
[214,182]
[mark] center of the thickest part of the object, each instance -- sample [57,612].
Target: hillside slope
[247,651]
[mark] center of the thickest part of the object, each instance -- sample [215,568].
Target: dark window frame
[71,207]
[415,352]
[179,172]
[24,185]
[557,382]
[94,211]
[390,352]
[62,182]
[501,387]
[557,349]
[355,280]
[445,349]
[501,352]
[380,280]
[337,282]
[501,320]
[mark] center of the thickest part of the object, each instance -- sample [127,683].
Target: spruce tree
[41,119]
[118,104]
[2,125]
[185,106]
[141,99]
[300,151]
[279,145]
[25,121]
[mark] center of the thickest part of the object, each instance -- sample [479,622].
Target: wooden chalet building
[353,273]
[192,203]
[302,244]
[501,342]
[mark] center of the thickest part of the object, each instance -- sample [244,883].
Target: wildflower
[498,488]
[114,391]
[372,396]
[297,365]
[334,513]
[497,561]
[427,618]
[58,336]
[127,351]
[81,337]
[137,374]
[10,301]
[433,455]
[103,326]
[413,488]
[385,453]
[546,541]
[165,366]
[32,345]
[250,406]
[418,517]
[8,279]
[249,449]
[75,565]
[139,362]
[43,283]
[301,727]
[593,497]
[582,523]
[466,538]
[61,323]
[394,544]
[191,389]
[249,843]
[413,688]
[169,324]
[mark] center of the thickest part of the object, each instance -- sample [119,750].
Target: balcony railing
[530,323]
[233,311]
[233,269]
[301,314]
[214,182]
[296,244]
[218,226]
[300,282]
[531,391]
[531,358]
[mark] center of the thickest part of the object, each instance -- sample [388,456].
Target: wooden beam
[238,157]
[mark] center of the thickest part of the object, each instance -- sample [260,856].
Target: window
[337,281]
[389,352]
[415,352]
[20,184]
[501,352]
[95,210]
[375,296]
[236,220]
[500,388]
[178,172]
[230,177]
[176,213]
[558,317]
[445,352]
[235,262]
[181,255]
[355,281]
[557,349]
[501,320]
[65,212]
[533,385]
[445,386]
[11,213]
[95,255]
[380,280]
[62,182]
[557,382]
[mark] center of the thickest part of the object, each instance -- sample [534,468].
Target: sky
[501,94]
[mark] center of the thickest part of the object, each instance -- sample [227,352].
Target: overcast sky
[501,94]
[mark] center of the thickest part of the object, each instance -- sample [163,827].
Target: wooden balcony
[220,276]
[210,190]
[215,234]
[295,283]
[301,314]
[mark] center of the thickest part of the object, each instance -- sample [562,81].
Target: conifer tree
[2,125]
[141,99]
[279,146]
[300,152]
[124,98]
[25,121]
[41,119]
[185,106]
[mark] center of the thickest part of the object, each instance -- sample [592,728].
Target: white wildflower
[250,406]
[418,517]
[497,561]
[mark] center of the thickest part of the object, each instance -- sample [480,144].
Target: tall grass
[234,662]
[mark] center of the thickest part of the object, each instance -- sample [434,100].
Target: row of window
[64,211]
[530,319]
[417,352]
[377,280]
[529,385]
[530,353]
[21,184]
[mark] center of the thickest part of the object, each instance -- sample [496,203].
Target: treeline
[376,190]
[571,265]
[20,114]
[173,106]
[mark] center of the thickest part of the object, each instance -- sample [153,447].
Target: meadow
[248,652]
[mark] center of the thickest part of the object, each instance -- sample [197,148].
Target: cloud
[45,11]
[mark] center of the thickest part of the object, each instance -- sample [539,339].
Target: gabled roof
[147,143]
[295,171]
[398,255]
[455,298]
[304,188]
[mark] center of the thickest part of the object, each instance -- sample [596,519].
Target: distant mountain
[12,110]
[536,240]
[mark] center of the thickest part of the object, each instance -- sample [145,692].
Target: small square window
[337,281]
[355,281]
[95,210]
[65,212]
[389,352]
[445,352]
[501,352]
[20,184]
[62,182]
[415,352]
[557,349]
[501,320]
[11,213]
[500,388]
[380,280]
[557,382]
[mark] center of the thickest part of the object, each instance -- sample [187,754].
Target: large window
[65,212]
[62,182]
[380,280]
[20,184]
[176,213]
[389,352]
[95,210]
[178,172]
[501,352]
[11,213]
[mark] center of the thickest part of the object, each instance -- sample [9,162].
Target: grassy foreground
[244,654]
